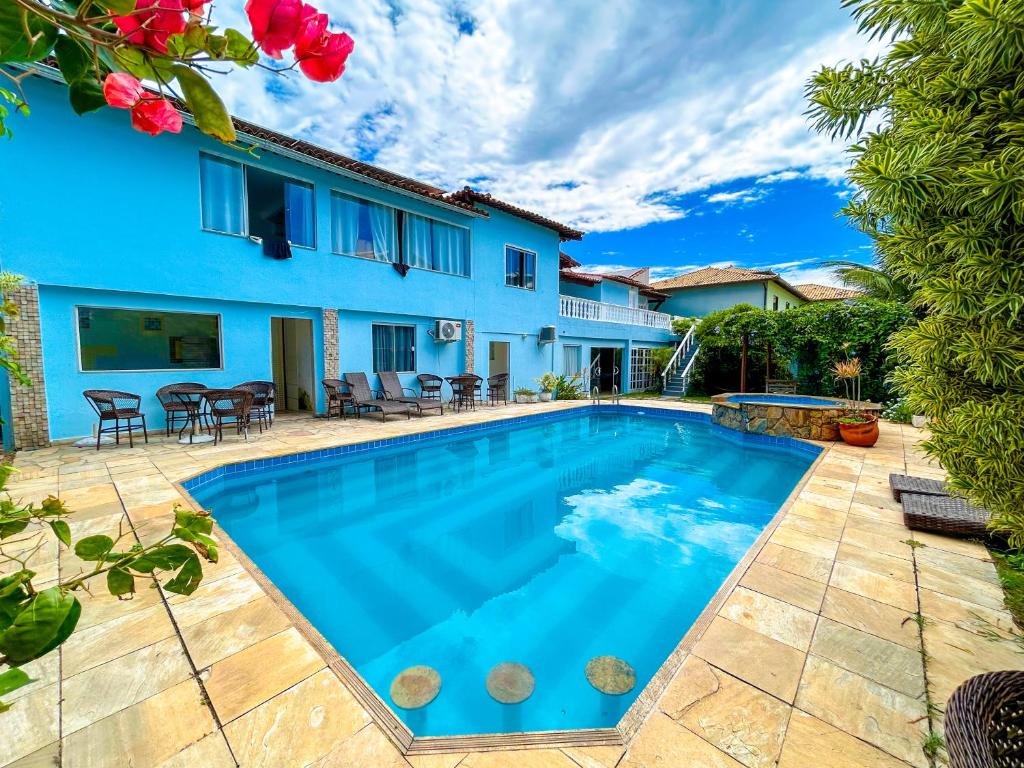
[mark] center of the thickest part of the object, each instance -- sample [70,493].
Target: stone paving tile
[368,746]
[47,757]
[885,662]
[661,741]
[888,719]
[804,542]
[796,562]
[592,757]
[736,717]
[932,559]
[876,562]
[879,619]
[214,599]
[319,708]
[824,529]
[152,732]
[209,752]
[983,593]
[955,654]
[526,758]
[875,586]
[112,639]
[967,616]
[227,633]
[785,586]
[440,761]
[774,618]
[730,647]
[811,742]
[35,720]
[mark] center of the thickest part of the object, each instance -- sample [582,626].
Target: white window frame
[536,264]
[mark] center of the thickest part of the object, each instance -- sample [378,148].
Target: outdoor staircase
[676,378]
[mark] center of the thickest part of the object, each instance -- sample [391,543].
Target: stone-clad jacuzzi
[763,413]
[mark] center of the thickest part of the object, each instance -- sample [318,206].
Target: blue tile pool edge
[396,730]
[255,465]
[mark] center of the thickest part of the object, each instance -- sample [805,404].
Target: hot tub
[764,413]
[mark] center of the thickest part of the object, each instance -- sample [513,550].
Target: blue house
[710,289]
[181,259]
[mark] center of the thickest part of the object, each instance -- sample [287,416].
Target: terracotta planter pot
[864,434]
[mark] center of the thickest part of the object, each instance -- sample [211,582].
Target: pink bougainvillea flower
[275,23]
[152,22]
[121,90]
[155,115]
[321,54]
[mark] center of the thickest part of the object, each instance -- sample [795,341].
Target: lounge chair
[950,515]
[393,390]
[901,484]
[363,397]
[983,721]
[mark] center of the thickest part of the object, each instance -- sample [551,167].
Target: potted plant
[857,427]
[525,395]
[547,384]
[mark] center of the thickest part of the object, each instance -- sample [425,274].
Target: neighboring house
[608,328]
[707,290]
[177,258]
[815,292]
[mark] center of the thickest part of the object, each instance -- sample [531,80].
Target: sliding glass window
[520,268]
[434,245]
[147,340]
[362,228]
[394,348]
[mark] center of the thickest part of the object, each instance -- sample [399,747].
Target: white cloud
[597,114]
[739,196]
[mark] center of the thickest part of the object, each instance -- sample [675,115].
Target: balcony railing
[585,309]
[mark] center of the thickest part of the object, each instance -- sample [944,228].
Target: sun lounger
[944,514]
[394,391]
[363,397]
[901,484]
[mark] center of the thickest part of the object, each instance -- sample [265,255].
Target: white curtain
[382,222]
[344,225]
[418,242]
[299,219]
[449,249]
[221,186]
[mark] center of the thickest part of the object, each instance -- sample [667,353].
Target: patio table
[463,391]
[192,399]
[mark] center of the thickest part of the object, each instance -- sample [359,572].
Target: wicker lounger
[362,397]
[985,721]
[944,514]
[901,484]
[394,390]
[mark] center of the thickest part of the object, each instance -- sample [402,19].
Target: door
[497,358]
[605,368]
[291,350]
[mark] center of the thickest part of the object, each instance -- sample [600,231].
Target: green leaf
[45,622]
[240,48]
[94,547]
[86,96]
[12,680]
[10,528]
[211,115]
[162,558]
[15,45]
[187,579]
[73,59]
[119,7]
[62,531]
[120,582]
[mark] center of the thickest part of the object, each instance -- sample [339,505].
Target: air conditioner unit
[547,335]
[448,330]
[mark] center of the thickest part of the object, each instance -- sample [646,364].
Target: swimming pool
[803,416]
[768,399]
[548,542]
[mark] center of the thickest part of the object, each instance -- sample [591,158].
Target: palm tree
[874,281]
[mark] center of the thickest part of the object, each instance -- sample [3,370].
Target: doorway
[605,368]
[497,358]
[292,355]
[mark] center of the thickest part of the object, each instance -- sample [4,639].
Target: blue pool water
[548,542]
[826,402]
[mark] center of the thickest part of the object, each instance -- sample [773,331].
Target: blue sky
[672,131]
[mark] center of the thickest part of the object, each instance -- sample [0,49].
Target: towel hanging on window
[402,269]
[277,248]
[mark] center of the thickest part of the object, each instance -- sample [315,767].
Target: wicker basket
[985,722]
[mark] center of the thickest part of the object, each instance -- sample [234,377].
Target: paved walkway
[814,658]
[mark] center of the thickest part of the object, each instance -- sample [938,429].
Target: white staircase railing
[681,352]
[685,375]
[587,309]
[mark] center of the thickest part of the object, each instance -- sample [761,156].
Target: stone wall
[467,335]
[779,421]
[332,367]
[28,420]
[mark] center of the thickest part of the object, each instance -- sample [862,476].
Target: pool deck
[813,658]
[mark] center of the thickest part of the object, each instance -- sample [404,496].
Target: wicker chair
[262,400]
[497,388]
[229,406]
[176,407]
[336,396]
[430,385]
[463,391]
[985,722]
[112,405]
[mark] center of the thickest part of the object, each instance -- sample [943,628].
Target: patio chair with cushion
[497,388]
[262,398]
[112,405]
[393,390]
[337,397]
[985,721]
[177,405]
[229,406]
[430,385]
[364,397]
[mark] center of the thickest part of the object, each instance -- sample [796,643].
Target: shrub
[898,411]
[938,177]
[569,388]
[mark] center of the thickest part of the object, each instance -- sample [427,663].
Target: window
[520,268]
[641,369]
[434,245]
[146,340]
[394,348]
[787,305]
[364,229]
[572,359]
[775,303]
[245,200]
[634,297]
